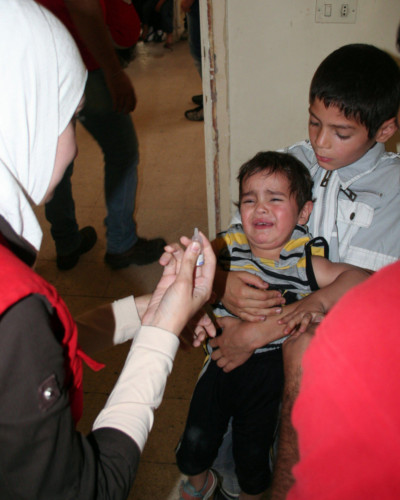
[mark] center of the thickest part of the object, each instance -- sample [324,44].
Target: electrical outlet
[336,11]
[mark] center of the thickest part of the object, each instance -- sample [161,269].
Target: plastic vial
[196,237]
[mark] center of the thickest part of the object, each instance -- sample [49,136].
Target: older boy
[354,100]
[271,242]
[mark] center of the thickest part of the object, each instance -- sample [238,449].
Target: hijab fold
[42,83]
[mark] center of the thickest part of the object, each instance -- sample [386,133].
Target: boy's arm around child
[334,279]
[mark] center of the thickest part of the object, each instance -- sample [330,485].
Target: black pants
[250,394]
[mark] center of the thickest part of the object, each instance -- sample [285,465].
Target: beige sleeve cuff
[127,321]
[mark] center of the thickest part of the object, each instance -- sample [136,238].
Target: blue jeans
[159,20]
[115,134]
[193,20]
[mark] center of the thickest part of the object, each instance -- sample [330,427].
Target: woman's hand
[184,287]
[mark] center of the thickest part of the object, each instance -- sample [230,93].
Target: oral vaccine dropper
[196,237]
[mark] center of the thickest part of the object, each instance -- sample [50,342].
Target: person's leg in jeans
[193,20]
[147,17]
[116,136]
[167,22]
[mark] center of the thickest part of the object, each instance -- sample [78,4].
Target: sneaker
[88,240]
[221,494]
[198,99]
[187,491]
[159,36]
[141,253]
[195,115]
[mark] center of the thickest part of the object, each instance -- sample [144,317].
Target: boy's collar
[361,167]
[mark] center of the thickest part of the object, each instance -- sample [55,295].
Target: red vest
[17,280]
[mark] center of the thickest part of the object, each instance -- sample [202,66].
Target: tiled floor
[171,200]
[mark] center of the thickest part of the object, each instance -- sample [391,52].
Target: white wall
[266,52]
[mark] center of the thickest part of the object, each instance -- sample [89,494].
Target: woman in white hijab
[42,456]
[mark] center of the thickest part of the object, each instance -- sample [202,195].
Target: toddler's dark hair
[362,81]
[273,162]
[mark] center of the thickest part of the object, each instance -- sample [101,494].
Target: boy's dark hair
[362,81]
[272,162]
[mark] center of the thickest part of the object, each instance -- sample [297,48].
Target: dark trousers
[250,394]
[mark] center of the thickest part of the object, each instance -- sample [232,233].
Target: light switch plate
[336,11]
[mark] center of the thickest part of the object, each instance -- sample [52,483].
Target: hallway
[171,201]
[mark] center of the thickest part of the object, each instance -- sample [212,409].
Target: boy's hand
[306,311]
[247,296]
[235,345]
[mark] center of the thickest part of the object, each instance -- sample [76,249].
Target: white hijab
[42,80]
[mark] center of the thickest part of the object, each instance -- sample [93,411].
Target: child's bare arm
[239,339]
[334,280]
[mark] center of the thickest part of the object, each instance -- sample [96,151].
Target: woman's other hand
[184,287]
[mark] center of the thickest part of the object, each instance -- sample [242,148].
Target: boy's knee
[195,452]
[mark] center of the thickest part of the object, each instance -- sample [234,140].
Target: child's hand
[198,329]
[307,311]
[204,328]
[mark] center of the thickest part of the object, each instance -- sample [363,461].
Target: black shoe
[195,115]
[198,99]
[88,240]
[143,252]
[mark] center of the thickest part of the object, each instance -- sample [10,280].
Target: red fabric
[57,7]
[123,22]
[121,19]
[348,412]
[17,281]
